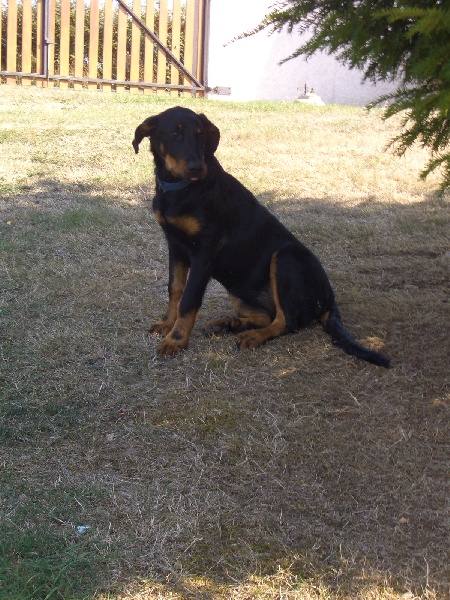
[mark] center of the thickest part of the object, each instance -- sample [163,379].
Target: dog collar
[168,186]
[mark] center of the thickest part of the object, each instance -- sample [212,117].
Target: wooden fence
[140,46]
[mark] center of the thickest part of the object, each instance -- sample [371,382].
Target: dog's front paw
[171,346]
[160,328]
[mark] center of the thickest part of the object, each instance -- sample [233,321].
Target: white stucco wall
[250,66]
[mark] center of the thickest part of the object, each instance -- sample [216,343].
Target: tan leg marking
[163,327]
[255,337]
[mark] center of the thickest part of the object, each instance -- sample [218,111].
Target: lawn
[292,471]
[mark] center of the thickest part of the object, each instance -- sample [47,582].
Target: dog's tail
[341,337]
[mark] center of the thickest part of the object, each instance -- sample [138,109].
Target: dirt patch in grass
[294,471]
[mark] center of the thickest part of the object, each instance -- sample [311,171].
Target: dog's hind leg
[246,318]
[274,328]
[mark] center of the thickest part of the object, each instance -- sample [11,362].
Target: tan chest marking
[187,223]
[158,216]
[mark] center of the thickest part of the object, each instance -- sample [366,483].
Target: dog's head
[180,141]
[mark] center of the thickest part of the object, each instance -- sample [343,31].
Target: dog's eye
[175,134]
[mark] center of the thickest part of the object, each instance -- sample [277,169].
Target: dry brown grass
[293,471]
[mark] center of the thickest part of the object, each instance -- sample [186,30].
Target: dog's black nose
[195,167]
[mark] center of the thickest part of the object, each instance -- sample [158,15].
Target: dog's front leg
[177,339]
[178,272]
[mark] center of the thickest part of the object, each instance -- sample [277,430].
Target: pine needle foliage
[388,40]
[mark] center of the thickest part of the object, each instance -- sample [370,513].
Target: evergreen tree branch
[389,40]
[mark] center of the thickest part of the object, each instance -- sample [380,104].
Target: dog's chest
[175,219]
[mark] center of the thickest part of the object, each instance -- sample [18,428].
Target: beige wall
[250,66]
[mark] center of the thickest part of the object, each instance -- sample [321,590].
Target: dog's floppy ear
[144,130]
[212,135]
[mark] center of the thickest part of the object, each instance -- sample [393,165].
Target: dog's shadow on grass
[292,468]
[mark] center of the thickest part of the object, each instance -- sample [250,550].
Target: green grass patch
[49,545]
[75,218]
[8,189]
[38,566]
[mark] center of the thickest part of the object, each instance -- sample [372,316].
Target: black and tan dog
[215,228]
